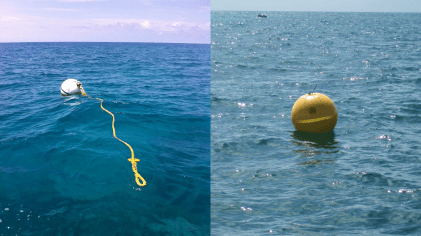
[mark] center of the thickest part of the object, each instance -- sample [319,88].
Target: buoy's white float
[71,87]
[314,113]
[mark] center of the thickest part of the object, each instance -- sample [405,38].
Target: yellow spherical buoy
[314,113]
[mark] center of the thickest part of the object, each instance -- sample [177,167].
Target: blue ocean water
[61,170]
[267,178]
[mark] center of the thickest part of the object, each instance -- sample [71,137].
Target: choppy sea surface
[267,178]
[61,170]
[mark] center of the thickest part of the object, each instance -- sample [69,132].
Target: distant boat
[262,16]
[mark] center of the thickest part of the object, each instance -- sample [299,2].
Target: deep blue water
[268,179]
[61,170]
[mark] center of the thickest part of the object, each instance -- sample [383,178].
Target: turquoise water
[61,170]
[268,179]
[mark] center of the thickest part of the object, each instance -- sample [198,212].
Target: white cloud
[9,18]
[140,24]
[146,24]
[8,14]
[81,0]
[59,9]
[25,28]
[146,2]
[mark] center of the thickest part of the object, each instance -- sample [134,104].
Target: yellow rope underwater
[132,159]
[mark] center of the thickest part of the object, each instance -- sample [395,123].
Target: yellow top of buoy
[314,113]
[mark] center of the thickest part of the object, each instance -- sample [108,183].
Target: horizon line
[326,11]
[96,42]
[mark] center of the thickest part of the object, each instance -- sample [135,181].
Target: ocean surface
[362,179]
[61,170]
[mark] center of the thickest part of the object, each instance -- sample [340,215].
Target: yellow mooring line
[132,159]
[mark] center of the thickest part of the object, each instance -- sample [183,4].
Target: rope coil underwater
[133,160]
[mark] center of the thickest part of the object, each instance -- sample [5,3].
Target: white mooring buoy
[71,87]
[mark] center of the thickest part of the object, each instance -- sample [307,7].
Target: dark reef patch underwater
[61,170]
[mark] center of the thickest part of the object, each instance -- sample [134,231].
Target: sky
[165,21]
[318,5]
